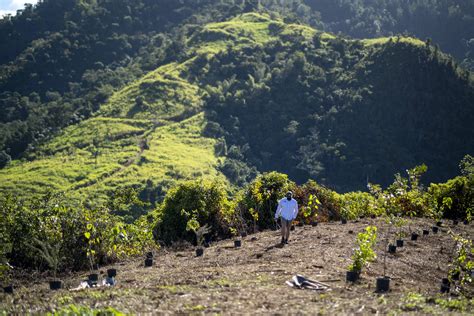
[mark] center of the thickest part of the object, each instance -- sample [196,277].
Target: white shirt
[287,209]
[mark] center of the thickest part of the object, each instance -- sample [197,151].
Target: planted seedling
[383,283]
[399,222]
[200,232]
[237,240]
[51,254]
[111,273]
[363,254]
[149,259]
[93,242]
[392,248]
[445,285]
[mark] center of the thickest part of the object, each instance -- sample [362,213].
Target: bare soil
[251,279]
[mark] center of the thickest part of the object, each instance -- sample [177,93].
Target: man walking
[287,209]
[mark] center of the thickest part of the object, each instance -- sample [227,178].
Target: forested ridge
[343,111]
[133,127]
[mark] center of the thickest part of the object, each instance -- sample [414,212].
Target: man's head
[289,195]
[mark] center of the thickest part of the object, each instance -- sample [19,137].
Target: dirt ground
[251,279]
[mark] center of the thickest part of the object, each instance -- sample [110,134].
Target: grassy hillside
[223,110]
[90,160]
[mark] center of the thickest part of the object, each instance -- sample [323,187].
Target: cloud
[5,12]
[10,6]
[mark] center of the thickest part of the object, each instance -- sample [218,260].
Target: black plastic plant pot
[292,227]
[314,224]
[112,273]
[352,276]
[414,236]
[392,248]
[148,262]
[426,232]
[8,289]
[383,284]
[343,221]
[149,254]
[300,224]
[439,224]
[93,277]
[445,285]
[199,252]
[434,229]
[237,243]
[400,243]
[55,285]
[455,275]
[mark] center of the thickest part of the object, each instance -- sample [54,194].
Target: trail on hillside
[143,145]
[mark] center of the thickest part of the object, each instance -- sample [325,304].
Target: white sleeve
[295,211]
[278,211]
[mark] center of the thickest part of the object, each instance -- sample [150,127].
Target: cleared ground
[252,279]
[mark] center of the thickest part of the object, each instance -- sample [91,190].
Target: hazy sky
[10,6]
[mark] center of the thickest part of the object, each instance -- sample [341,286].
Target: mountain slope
[256,93]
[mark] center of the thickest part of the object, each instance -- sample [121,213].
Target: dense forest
[342,110]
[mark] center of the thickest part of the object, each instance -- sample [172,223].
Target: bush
[358,204]
[455,198]
[260,198]
[204,200]
[330,202]
[48,220]
[364,252]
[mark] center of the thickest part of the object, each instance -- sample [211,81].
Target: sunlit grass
[109,156]
[395,39]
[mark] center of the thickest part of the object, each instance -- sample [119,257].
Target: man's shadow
[278,245]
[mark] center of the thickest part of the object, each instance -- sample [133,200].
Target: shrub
[260,199]
[462,263]
[205,200]
[455,198]
[364,253]
[329,201]
[357,204]
[67,228]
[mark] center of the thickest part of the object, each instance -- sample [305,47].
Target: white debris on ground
[300,282]
[107,282]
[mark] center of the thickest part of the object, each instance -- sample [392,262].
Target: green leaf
[87,235]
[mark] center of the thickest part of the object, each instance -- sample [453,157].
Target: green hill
[257,93]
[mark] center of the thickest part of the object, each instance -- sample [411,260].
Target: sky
[10,6]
